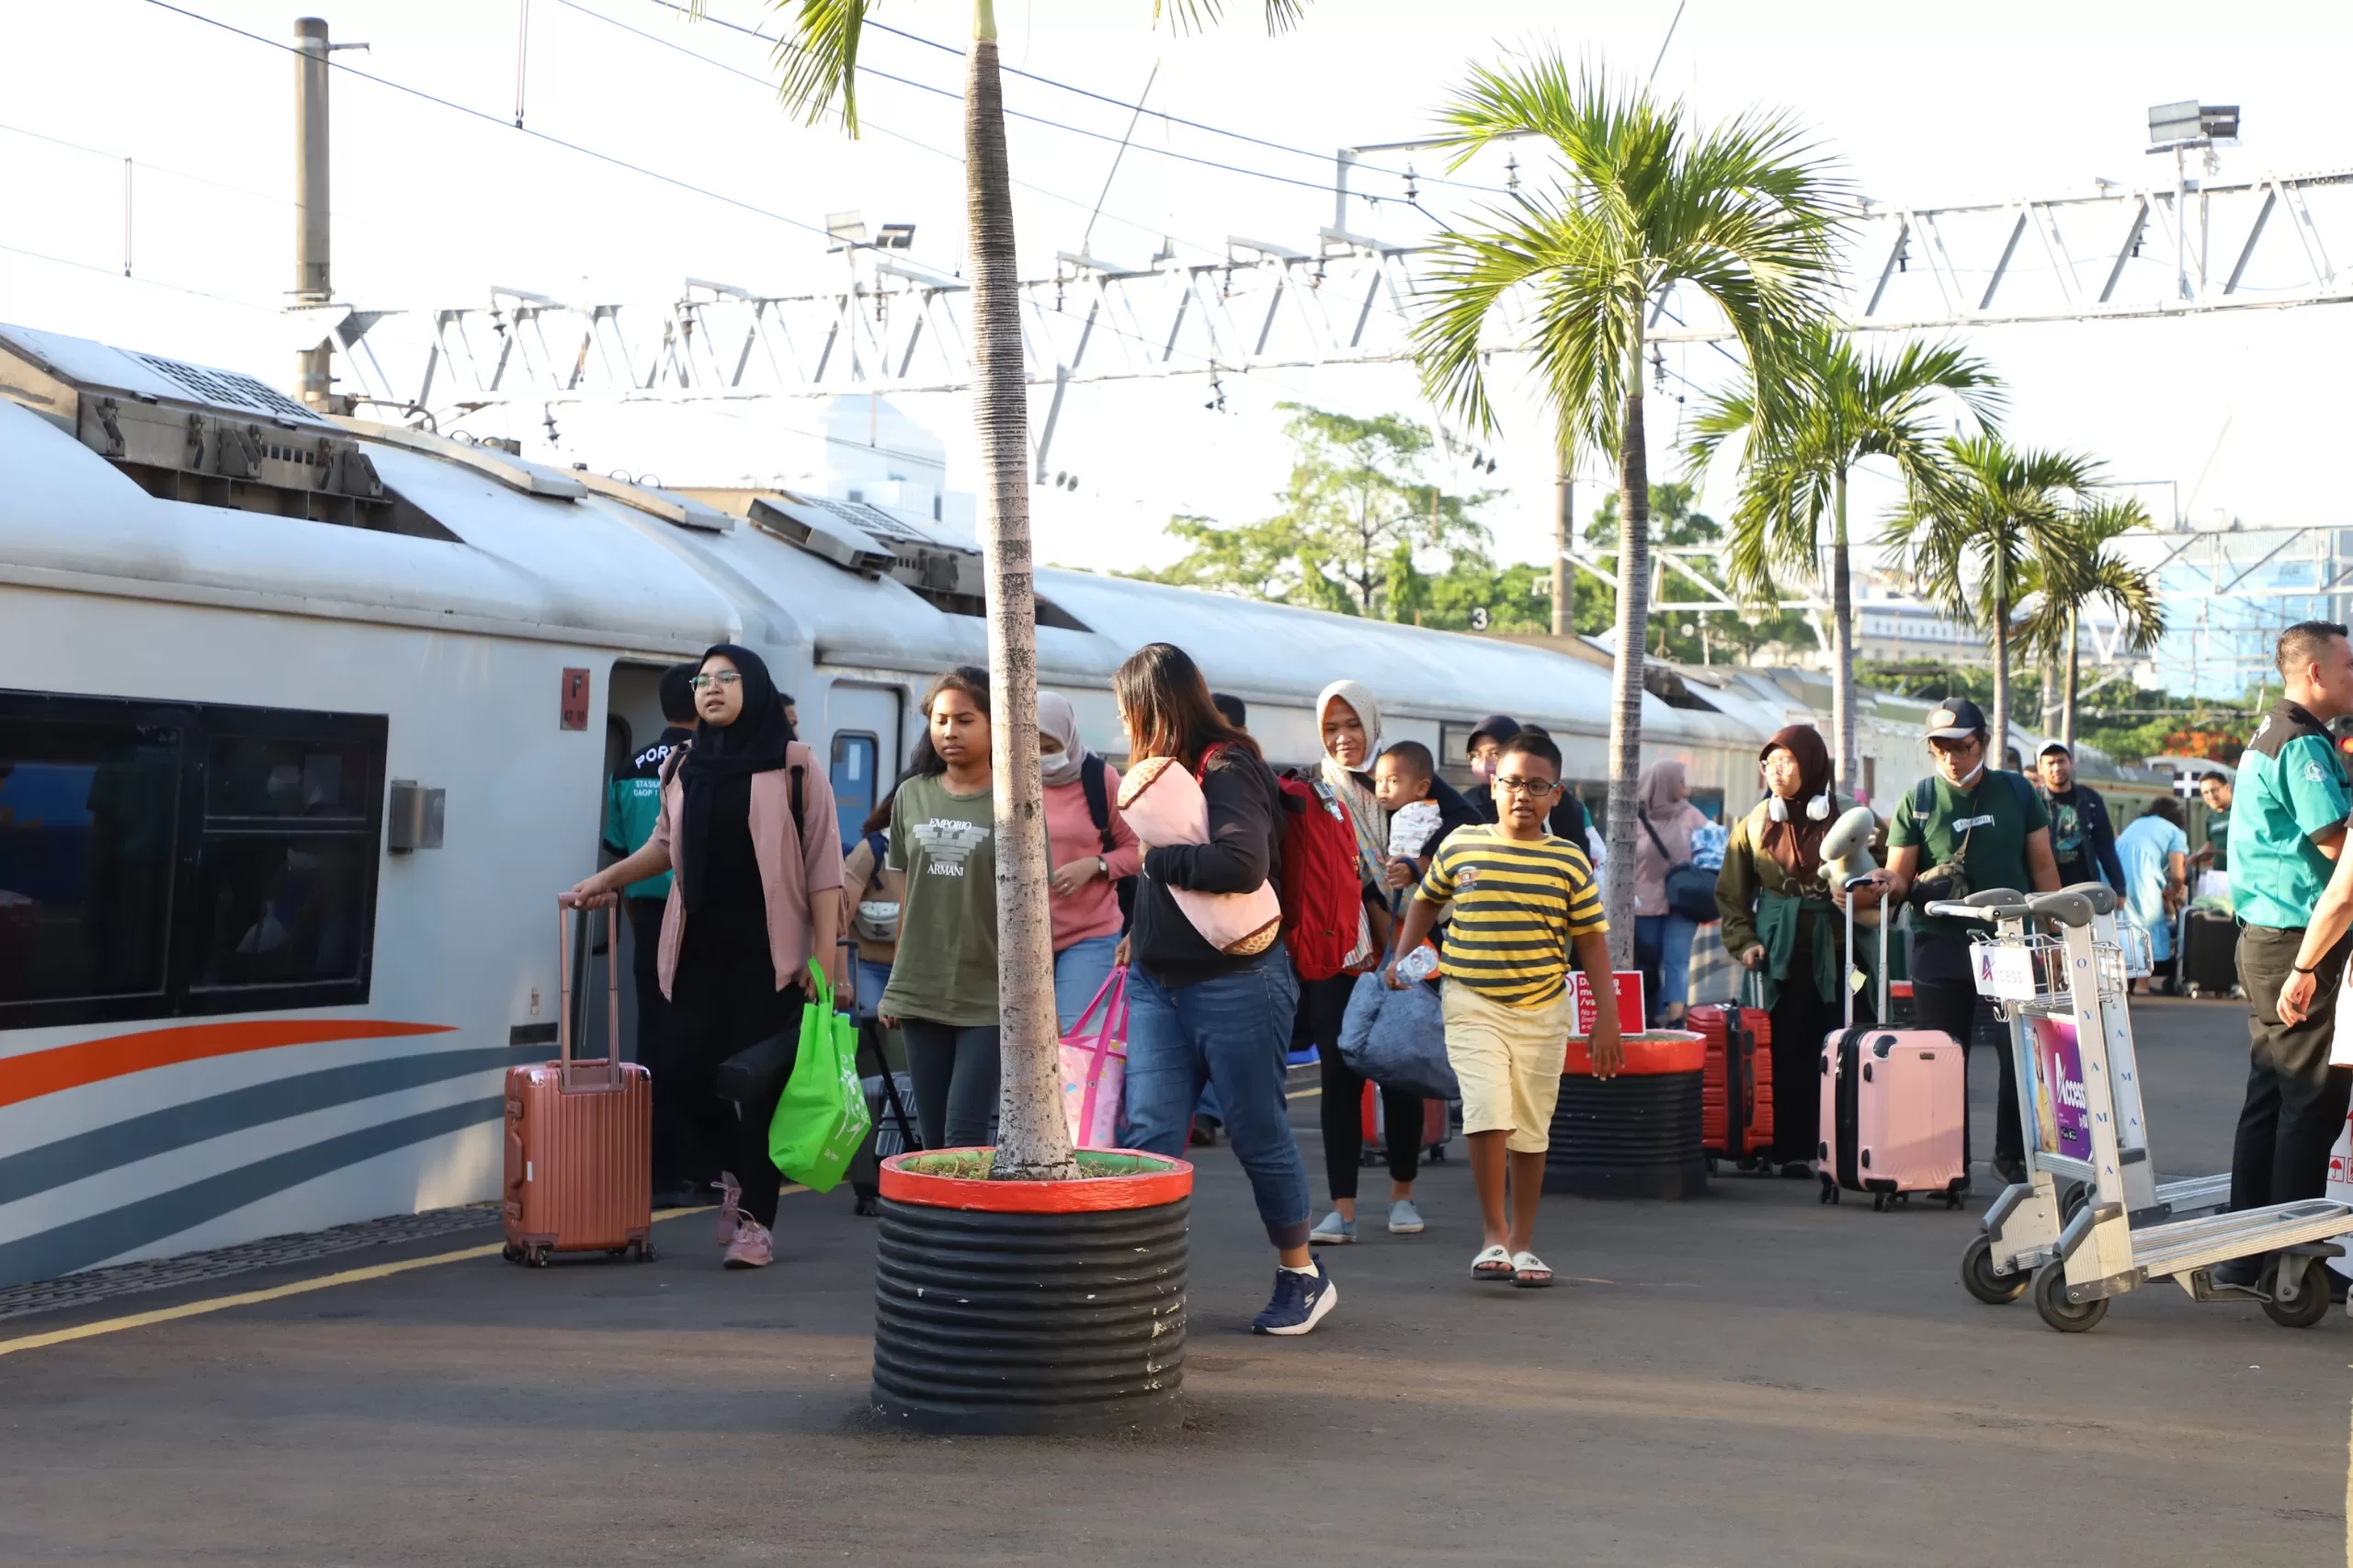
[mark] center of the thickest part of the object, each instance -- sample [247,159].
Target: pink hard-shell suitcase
[1895,1106]
[1892,1115]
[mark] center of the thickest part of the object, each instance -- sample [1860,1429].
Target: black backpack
[1094,777]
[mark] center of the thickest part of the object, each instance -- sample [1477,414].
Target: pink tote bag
[1095,1067]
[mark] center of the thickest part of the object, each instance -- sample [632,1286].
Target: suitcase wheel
[536,1257]
[1437,1154]
[1712,1164]
[644,1250]
[511,1253]
[1829,1190]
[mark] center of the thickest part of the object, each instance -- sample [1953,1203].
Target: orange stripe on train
[40,1072]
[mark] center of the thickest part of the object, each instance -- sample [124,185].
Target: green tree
[2094,574]
[1743,214]
[2004,518]
[818,56]
[1839,409]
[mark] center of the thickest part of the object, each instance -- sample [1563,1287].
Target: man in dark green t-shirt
[1994,825]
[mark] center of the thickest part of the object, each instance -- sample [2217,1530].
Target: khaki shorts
[1508,1061]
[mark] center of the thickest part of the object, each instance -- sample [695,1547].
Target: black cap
[1955,718]
[1496,727]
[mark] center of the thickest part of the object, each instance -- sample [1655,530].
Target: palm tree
[1841,409]
[2090,572]
[819,61]
[1979,543]
[1745,213]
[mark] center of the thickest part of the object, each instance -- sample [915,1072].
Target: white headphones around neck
[1816,809]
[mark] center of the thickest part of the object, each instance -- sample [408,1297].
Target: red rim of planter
[1655,1053]
[1162,1181]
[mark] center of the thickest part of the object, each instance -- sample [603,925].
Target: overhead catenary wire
[124,277]
[153,168]
[1323,188]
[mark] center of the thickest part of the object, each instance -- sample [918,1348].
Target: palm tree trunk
[1997,745]
[1626,679]
[1565,577]
[1842,649]
[2067,702]
[1034,1139]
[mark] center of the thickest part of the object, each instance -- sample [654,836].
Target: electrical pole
[311,286]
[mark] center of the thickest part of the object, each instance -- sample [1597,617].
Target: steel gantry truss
[894,325]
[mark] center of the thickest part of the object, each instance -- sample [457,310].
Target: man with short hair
[2215,790]
[2285,839]
[1988,829]
[632,802]
[2083,839]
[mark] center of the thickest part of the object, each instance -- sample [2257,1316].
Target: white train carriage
[302,723]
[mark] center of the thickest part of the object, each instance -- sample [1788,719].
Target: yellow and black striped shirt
[1516,905]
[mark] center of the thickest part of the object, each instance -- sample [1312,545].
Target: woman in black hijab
[748,823]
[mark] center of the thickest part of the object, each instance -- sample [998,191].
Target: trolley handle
[1988,905]
[2070,906]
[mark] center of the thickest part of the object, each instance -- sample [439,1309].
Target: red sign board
[1629,1002]
[574,708]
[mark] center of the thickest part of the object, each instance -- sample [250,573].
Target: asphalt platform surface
[1745,1380]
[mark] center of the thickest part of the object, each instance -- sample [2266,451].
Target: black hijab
[722,759]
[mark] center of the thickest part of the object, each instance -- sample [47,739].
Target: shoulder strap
[879,844]
[672,763]
[1649,827]
[800,825]
[1924,798]
[1093,779]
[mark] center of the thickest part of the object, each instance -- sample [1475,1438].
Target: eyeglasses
[720,677]
[1534,789]
[1958,747]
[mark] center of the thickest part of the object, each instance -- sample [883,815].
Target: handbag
[1397,1039]
[1095,1067]
[1690,891]
[821,1117]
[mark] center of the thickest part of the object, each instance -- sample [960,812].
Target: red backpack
[1323,888]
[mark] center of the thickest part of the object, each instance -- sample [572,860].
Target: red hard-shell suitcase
[580,1139]
[1736,1081]
[1437,1127]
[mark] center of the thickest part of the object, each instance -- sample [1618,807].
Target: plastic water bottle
[1419,964]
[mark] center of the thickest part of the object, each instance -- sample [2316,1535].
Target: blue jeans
[1232,1032]
[1662,947]
[1080,970]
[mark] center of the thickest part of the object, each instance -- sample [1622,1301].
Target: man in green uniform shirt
[2287,832]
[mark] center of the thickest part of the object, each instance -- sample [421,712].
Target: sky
[2235,415]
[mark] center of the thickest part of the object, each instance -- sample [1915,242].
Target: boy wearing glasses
[1525,906]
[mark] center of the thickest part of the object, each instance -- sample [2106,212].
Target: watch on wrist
[1103,867]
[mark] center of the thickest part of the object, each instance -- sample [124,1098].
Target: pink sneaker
[753,1246]
[731,1195]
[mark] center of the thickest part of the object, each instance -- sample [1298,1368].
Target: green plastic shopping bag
[821,1117]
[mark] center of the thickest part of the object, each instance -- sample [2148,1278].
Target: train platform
[1740,1381]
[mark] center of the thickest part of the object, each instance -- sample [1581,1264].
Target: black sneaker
[1302,1300]
[2239,1273]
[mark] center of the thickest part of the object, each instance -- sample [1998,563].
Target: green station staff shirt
[1997,814]
[2291,786]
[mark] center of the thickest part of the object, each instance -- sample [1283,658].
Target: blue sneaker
[1332,1230]
[1302,1300]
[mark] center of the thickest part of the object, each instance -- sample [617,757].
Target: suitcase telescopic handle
[607,1069]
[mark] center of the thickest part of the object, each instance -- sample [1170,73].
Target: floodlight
[846,228]
[895,236]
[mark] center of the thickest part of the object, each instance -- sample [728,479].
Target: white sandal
[1524,1263]
[1484,1265]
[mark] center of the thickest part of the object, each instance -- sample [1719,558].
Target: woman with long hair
[942,995]
[1666,817]
[1200,1016]
[1348,721]
[1782,922]
[753,913]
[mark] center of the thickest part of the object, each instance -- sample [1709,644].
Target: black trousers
[1953,1007]
[1323,1003]
[2295,1100]
[1802,1023]
[724,997]
[677,1155]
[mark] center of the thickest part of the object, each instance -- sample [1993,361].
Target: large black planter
[1636,1135]
[1038,1308]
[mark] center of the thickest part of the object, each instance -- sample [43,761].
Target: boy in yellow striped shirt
[1525,902]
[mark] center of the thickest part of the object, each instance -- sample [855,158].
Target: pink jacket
[789,872]
[1094,910]
[1650,867]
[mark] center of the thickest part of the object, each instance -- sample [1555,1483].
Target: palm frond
[817,58]
[1192,16]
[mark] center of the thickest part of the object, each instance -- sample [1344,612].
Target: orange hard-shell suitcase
[580,1138]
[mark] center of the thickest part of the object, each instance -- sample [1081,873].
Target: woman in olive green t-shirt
[942,995]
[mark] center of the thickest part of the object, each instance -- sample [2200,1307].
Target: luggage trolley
[2023,1225]
[2123,1235]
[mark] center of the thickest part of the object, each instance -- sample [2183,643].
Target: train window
[855,754]
[89,835]
[1711,803]
[166,860]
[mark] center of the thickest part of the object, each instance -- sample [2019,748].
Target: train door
[864,721]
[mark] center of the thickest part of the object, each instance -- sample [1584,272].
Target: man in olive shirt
[1994,822]
[2287,833]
